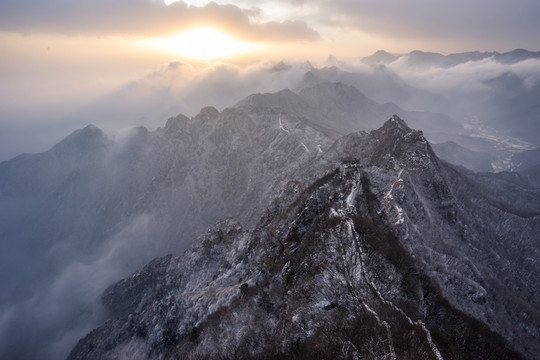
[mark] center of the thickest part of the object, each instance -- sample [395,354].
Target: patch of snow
[410,321]
[389,198]
[281,125]
[430,341]
[350,198]
[323,304]
[400,219]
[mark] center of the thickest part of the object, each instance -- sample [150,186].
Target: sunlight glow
[202,43]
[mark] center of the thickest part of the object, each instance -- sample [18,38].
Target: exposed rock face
[390,254]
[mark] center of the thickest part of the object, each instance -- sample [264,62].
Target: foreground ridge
[385,256]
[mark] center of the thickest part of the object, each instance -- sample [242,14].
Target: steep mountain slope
[33,193]
[528,164]
[458,155]
[390,254]
[99,208]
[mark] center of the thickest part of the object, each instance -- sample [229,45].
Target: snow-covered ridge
[358,248]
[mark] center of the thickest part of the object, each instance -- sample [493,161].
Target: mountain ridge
[106,207]
[419,58]
[306,265]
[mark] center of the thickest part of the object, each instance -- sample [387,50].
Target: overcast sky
[59,55]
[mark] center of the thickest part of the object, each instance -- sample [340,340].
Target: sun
[202,43]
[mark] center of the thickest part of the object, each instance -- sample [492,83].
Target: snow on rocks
[391,206]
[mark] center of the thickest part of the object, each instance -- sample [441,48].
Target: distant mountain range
[419,58]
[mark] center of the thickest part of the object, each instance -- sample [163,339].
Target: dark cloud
[481,24]
[141,18]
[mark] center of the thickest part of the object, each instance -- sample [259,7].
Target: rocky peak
[333,92]
[395,122]
[282,99]
[380,57]
[208,113]
[397,131]
[83,140]
[176,124]
[393,146]
[396,140]
[310,79]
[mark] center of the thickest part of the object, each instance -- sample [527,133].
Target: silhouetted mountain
[516,55]
[380,57]
[422,59]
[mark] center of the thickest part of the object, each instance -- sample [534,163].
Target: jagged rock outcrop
[390,254]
